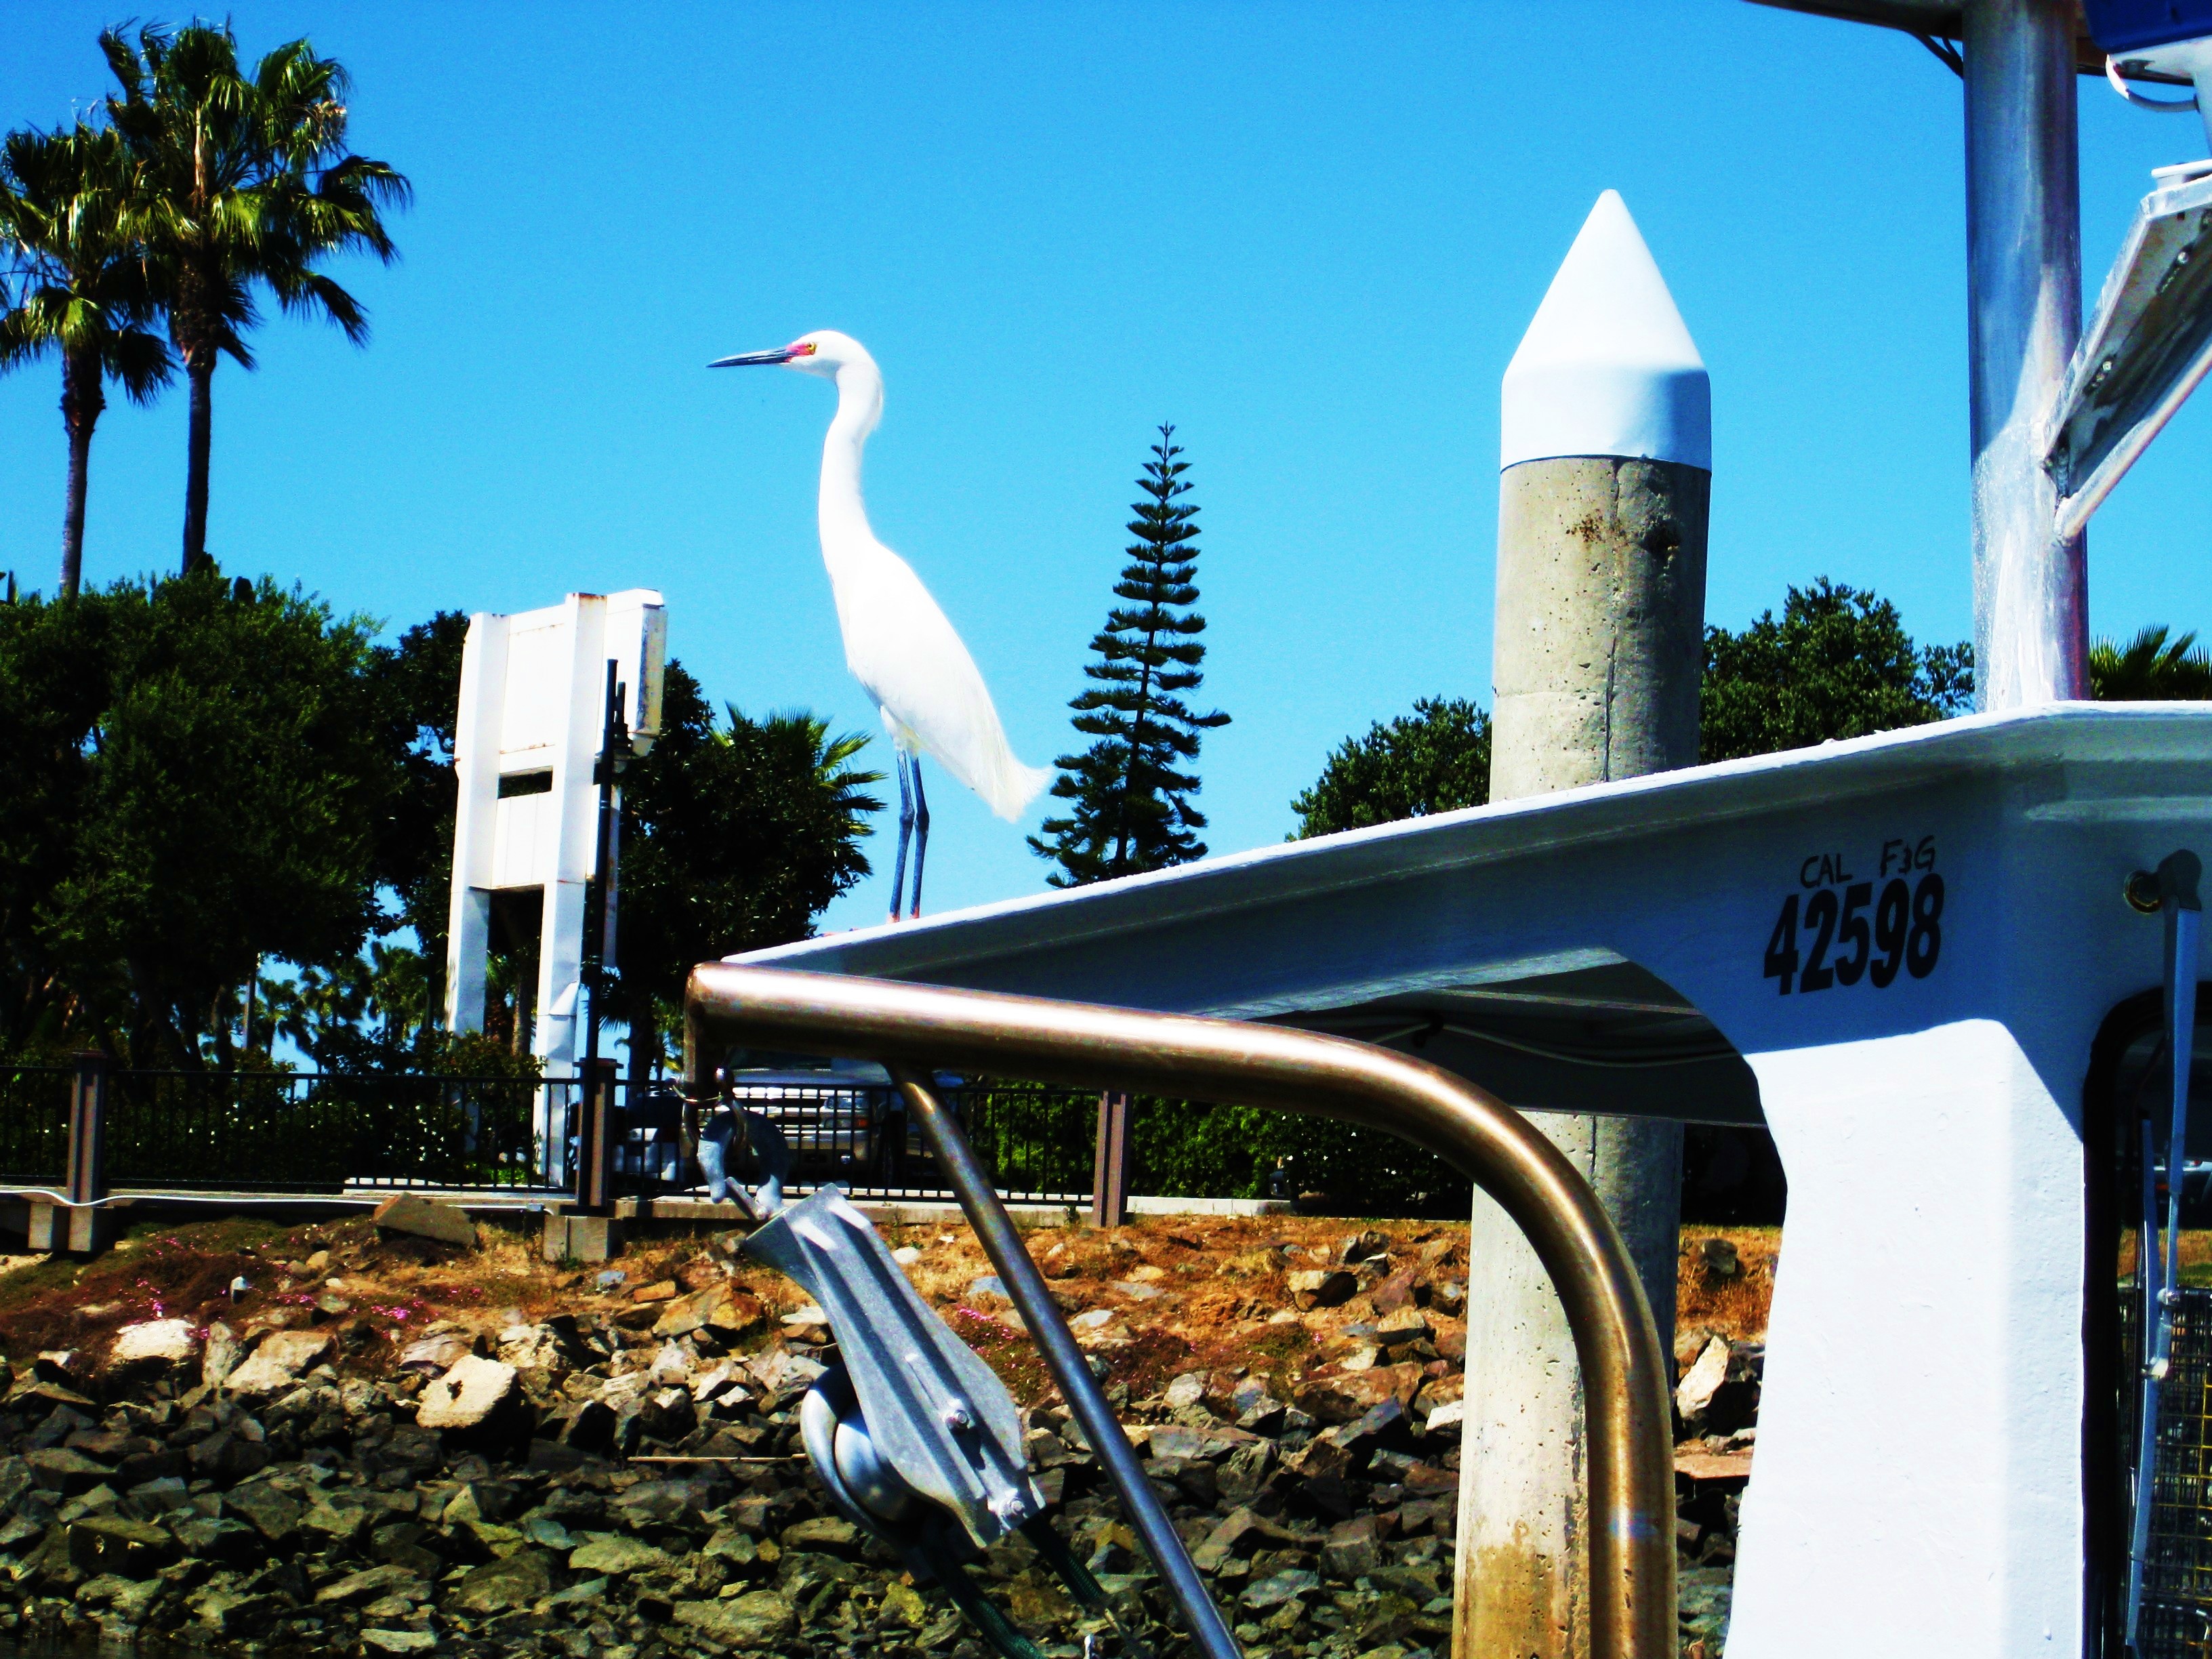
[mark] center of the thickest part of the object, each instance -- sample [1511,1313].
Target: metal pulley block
[935,1414]
[914,1437]
[871,1494]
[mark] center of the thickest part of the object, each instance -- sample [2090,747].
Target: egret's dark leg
[921,833]
[906,833]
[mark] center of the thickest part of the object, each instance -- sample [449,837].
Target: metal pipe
[2024,314]
[1631,1465]
[1025,1288]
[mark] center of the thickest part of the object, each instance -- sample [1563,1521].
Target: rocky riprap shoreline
[628,1481]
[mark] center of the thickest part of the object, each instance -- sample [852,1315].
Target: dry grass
[1221,1278]
[2196,1256]
[1734,1307]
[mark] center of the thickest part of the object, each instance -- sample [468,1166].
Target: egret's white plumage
[898,642]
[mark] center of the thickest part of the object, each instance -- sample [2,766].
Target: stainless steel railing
[910,1027]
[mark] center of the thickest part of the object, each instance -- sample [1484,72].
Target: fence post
[589,1230]
[1109,1168]
[88,1150]
[595,1148]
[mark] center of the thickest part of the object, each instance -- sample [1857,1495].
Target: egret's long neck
[843,514]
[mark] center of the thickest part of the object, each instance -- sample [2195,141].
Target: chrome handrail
[1632,1465]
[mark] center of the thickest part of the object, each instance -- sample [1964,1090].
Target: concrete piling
[1599,646]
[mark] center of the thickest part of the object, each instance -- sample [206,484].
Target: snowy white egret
[898,643]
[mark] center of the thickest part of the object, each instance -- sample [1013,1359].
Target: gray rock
[515,1581]
[585,1592]
[221,1356]
[660,1503]
[113,1544]
[1242,1533]
[217,1539]
[425,1218]
[825,1533]
[64,1469]
[358,1588]
[154,1342]
[342,1523]
[1353,1550]
[465,1395]
[1320,1287]
[230,1611]
[758,1619]
[266,1510]
[434,1356]
[1703,1380]
[1701,1597]
[1186,1391]
[1274,1591]
[617,1553]
[398,1641]
[274,1367]
[547,1533]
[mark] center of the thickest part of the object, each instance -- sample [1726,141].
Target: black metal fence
[324,1132]
[292,1132]
[1037,1143]
[2177,1605]
[34,1103]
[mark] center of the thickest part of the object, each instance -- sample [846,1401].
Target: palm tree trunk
[199,371]
[82,400]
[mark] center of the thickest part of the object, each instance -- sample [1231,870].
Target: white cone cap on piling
[1608,366]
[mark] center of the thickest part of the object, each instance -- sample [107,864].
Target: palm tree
[245,183]
[78,291]
[2150,668]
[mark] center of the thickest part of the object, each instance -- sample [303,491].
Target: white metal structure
[1918,1038]
[898,642]
[525,741]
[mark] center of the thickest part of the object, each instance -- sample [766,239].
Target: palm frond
[245,183]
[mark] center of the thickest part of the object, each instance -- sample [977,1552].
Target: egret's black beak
[781,355]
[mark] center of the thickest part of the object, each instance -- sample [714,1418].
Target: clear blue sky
[1308,234]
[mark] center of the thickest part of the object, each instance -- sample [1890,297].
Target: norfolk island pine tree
[1132,807]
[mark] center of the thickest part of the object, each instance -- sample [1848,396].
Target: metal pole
[1109,1168]
[595,1144]
[2177,882]
[1048,1325]
[1599,643]
[1631,1462]
[2023,316]
[599,910]
[88,1131]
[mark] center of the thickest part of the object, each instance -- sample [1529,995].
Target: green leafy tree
[76,290]
[2151,667]
[1838,663]
[735,837]
[1130,791]
[245,183]
[196,783]
[1436,759]
[54,688]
